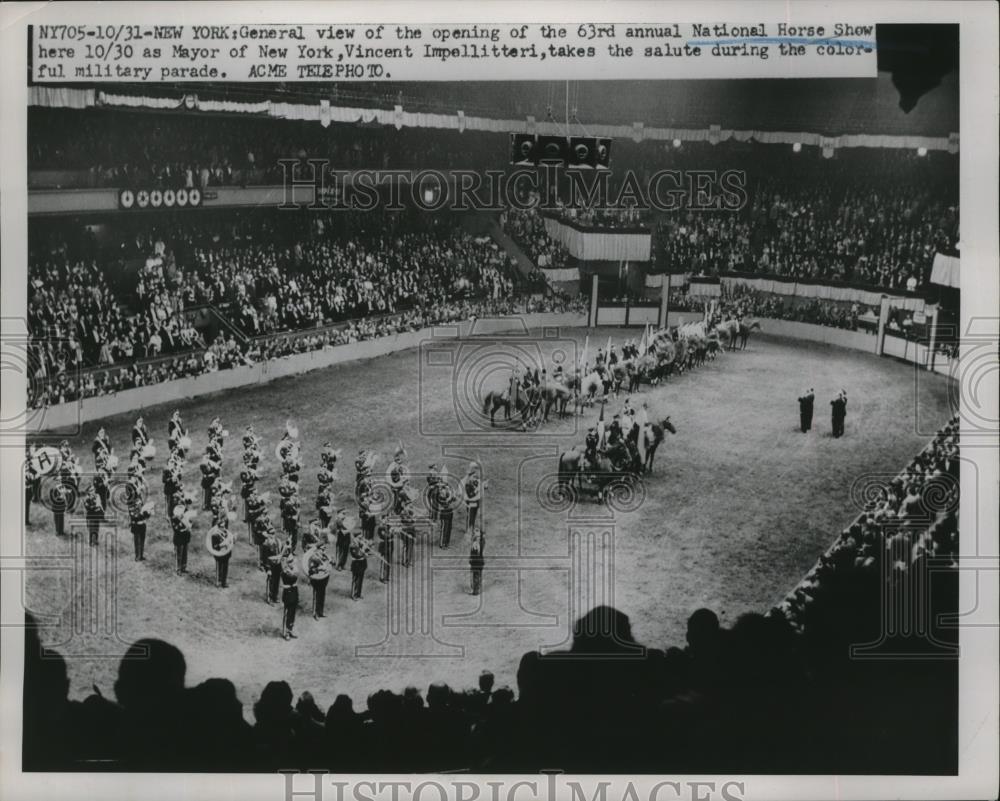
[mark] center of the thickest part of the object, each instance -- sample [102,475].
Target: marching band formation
[386,530]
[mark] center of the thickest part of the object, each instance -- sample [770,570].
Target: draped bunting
[561,274]
[801,289]
[65,97]
[945,270]
[599,245]
[844,294]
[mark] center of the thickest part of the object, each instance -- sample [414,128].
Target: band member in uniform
[289,599]
[343,539]
[318,568]
[806,411]
[102,444]
[175,432]
[359,565]
[472,486]
[326,504]
[95,513]
[312,536]
[477,562]
[270,550]
[30,480]
[182,536]
[386,545]
[60,497]
[366,511]
[219,543]
[140,435]
[446,503]
[138,518]
[407,533]
[102,483]
[248,481]
[210,471]
[433,486]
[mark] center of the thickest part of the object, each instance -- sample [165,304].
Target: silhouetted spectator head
[342,710]
[702,629]
[601,630]
[502,696]
[438,695]
[486,681]
[216,700]
[275,703]
[151,672]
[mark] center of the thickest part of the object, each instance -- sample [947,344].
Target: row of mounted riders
[669,352]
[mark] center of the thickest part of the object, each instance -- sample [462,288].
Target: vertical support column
[932,340]
[661,319]
[883,318]
[592,321]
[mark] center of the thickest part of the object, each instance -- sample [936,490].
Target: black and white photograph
[546,394]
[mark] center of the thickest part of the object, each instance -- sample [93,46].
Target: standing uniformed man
[220,542]
[477,563]
[325,505]
[210,471]
[369,519]
[289,599]
[270,550]
[407,533]
[318,568]
[838,413]
[182,536]
[94,510]
[138,518]
[446,502]
[359,566]
[30,479]
[386,545]
[472,487]
[343,539]
[60,497]
[806,410]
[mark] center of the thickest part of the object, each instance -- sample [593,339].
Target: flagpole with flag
[583,355]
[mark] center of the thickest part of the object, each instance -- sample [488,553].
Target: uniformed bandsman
[139,515]
[407,533]
[359,565]
[182,523]
[289,599]
[94,510]
[220,542]
[318,568]
[472,487]
[386,546]
[446,503]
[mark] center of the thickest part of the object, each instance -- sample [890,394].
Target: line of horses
[632,453]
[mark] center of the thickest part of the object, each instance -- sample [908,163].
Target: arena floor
[739,507]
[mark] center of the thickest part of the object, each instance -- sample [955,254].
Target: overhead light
[921,151]
[677,143]
[797,147]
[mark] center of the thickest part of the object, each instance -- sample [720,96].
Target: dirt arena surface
[738,508]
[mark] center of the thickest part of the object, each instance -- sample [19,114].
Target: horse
[570,467]
[500,399]
[745,331]
[653,435]
[557,395]
[494,400]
